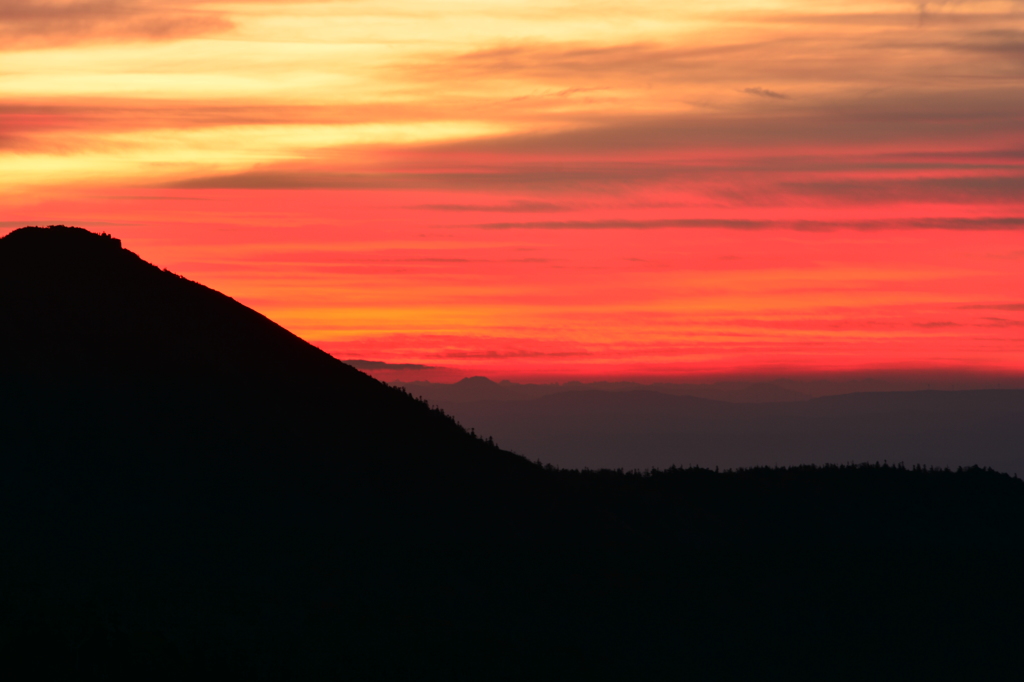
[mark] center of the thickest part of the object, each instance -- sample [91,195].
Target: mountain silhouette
[77,307]
[189,491]
[82,303]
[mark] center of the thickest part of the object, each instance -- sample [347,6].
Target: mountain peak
[73,301]
[476,381]
[55,237]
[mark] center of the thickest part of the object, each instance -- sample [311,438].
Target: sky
[549,190]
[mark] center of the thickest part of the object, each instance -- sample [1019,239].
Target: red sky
[549,190]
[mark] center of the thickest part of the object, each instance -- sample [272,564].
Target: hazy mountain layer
[482,388]
[645,429]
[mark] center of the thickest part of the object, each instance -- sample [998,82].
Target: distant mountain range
[189,491]
[473,389]
[778,390]
[621,426]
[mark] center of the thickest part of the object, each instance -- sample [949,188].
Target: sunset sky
[548,190]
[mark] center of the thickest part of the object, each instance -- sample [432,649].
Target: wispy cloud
[44,23]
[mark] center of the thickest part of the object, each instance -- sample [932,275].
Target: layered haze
[549,191]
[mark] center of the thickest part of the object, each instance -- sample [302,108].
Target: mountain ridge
[82,312]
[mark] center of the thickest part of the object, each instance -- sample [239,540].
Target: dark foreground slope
[189,492]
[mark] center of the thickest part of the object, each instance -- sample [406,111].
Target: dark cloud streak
[967,224]
[762,92]
[510,207]
[376,364]
[997,306]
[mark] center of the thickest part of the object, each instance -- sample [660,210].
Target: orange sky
[548,190]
